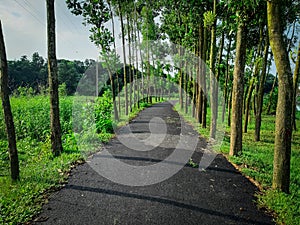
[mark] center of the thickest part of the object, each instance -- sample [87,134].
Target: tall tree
[295,87]
[254,78]
[120,9]
[56,143]
[238,91]
[283,129]
[211,19]
[260,91]
[9,122]
[96,14]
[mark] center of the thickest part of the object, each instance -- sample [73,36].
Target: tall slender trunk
[142,67]
[199,96]
[204,93]
[124,59]
[56,143]
[213,80]
[253,79]
[226,80]
[8,117]
[229,108]
[295,88]
[260,90]
[247,103]
[271,94]
[237,91]
[130,66]
[283,128]
[116,115]
[115,52]
[136,55]
[180,81]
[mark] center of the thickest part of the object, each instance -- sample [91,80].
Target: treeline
[232,37]
[33,73]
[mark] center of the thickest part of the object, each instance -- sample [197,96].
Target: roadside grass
[40,172]
[256,161]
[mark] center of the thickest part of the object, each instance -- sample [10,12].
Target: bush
[103,113]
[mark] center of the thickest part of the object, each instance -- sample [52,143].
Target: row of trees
[32,73]
[232,37]
[244,30]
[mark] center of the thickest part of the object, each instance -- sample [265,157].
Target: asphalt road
[218,195]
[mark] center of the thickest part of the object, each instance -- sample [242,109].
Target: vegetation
[40,172]
[256,162]
[231,37]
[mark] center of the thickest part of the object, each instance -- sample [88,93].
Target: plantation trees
[56,143]
[10,128]
[96,14]
[283,130]
[238,91]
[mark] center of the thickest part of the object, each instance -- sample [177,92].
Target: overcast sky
[24,28]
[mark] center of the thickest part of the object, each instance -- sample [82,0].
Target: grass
[40,172]
[256,161]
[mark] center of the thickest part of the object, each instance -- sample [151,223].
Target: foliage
[29,77]
[42,173]
[103,113]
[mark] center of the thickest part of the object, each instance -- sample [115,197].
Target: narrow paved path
[219,195]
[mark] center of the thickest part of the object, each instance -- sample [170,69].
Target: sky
[24,28]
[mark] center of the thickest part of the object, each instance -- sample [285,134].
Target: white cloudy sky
[24,28]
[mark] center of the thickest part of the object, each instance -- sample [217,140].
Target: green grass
[256,161]
[40,172]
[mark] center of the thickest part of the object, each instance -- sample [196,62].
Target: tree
[210,20]
[96,14]
[56,143]
[9,122]
[283,129]
[260,91]
[295,87]
[237,91]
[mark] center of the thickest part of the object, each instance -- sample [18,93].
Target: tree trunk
[56,143]
[130,65]
[229,108]
[247,103]
[186,86]
[142,68]
[8,117]
[260,94]
[226,97]
[115,51]
[199,96]
[116,115]
[295,88]
[213,80]
[283,130]
[203,70]
[124,59]
[253,79]
[271,95]
[137,58]
[237,92]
